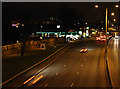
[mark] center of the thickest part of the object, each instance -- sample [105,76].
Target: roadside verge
[34,65]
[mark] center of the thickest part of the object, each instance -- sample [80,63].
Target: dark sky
[65,9]
[68,12]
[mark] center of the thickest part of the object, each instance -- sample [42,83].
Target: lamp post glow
[117,6]
[58,26]
[96,6]
[17,26]
[114,20]
[112,14]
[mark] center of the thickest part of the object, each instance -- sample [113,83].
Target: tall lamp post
[106,19]
[106,23]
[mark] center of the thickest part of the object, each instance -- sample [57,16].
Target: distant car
[116,37]
[103,39]
[83,50]
[97,38]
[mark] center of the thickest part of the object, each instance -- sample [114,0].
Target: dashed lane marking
[71,85]
[64,65]
[46,85]
[56,73]
[77,73]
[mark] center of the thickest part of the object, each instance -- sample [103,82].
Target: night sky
[85,9]
[69,12]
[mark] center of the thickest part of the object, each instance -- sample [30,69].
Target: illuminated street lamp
[17,26]
[18,23]
[112,25]
[117,6]
[22,24]
[96,6]
[112,14]
[41,26]
[114,20]
[86,23]
[106,22]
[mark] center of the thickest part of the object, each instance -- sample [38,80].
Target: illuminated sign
[93,32]
[83,34]
[14,25]
[87,33]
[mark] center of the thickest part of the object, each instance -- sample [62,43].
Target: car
[116,37]
[103,39]
[83,50]
[97,38]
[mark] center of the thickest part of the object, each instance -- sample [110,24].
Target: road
[69,68]
[114,60]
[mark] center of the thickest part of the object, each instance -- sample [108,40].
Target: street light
[106,21]
[117,6]
[112,14]
[17,26]
[86,23]
[41,26]
[96,6]
[114,20]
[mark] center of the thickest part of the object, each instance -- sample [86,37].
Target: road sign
[42,47]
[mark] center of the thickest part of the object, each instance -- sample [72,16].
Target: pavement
[69,68]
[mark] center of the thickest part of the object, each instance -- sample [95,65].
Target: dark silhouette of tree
[69,16]
[26,30]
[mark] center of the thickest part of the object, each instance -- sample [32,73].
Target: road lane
[92,71]
[73,69]
[113,59]
[17,81]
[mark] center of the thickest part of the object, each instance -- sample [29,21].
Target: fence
[15,49]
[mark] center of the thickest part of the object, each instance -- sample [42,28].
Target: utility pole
[106,23]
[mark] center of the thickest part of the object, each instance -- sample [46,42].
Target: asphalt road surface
[114,60]
[69,68]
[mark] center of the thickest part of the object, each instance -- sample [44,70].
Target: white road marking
[77,73]
[71,85]
[32,66]
[46,85]
[56,73]
[81,65]
[64,65]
